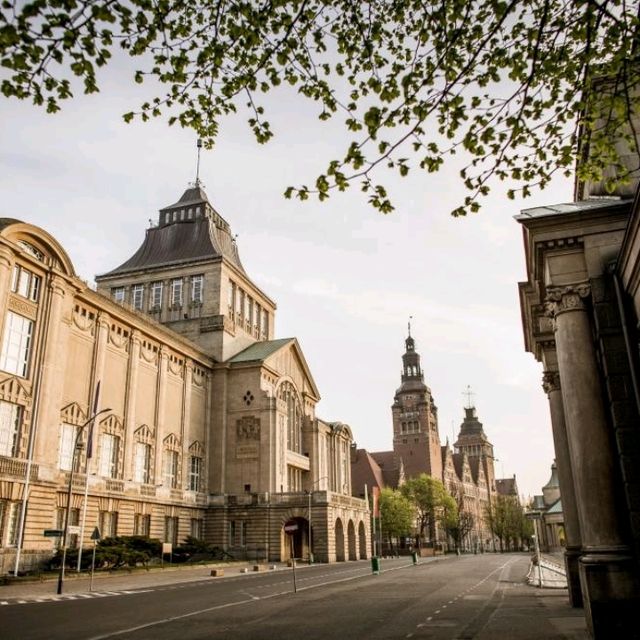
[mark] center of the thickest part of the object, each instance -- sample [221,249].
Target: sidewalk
[122,580]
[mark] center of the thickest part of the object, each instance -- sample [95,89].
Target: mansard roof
[189,231]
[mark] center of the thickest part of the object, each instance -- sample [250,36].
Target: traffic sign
[290,528]
[74,529]
[95,535]
[53,533]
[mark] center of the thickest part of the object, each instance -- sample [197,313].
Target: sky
[345,277]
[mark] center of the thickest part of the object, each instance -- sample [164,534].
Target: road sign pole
[93,564]
[293,563]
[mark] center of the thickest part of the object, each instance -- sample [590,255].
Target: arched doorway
[362,539]
[295,534]
[339,541]
[351,534]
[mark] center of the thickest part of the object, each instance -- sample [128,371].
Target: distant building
[211,429]
[547,509]
[467,469]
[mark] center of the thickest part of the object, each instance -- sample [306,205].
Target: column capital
[569,298]
[551,381]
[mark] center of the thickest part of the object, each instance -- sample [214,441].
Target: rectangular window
[118,294]
[171,530]
[10,418]
[239,303]
[67,442]
[264,326]
[232,532]
[137,295]
[176,292]
[156,295]
[141,525]
[142,463]
[196,288]
[197,528]
[170,470]
[9,523]
[231,296]
[109,453]
[108,524]
[16,345]
[195,472]
[248,312]
[257,312]
[25,283]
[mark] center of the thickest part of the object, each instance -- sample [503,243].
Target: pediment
[289,362]
[12,390]
[73,413]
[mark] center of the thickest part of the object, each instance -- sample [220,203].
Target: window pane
[9,428]
[138,293]
[67,440]
[16,344]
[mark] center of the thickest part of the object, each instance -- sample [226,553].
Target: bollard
[375,565]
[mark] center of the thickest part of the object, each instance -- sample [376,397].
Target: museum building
[206,423]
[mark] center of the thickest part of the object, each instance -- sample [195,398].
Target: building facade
[580,316]
[466,470]
[207,425]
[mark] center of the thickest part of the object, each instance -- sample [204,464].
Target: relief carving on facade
[247,437]
[23,307]
[248,428]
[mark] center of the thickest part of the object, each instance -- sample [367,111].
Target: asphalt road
[448,598]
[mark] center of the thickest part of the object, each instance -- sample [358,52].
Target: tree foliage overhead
[412,81]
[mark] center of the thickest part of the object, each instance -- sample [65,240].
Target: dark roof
[458,463]
[183,241]
[260,351]
[471,428]
[390,465]
[580,206]
[507,486]
[365,471]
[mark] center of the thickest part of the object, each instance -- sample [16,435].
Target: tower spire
[409,325]
[199,144]
[469,395]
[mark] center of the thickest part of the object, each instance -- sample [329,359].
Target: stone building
[546,510]
[208,426]
[580,311]
[467,470]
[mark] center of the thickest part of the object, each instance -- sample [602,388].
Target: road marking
[429,618]
[438,611]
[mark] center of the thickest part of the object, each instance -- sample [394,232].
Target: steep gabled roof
[260,351]
[365,471]
[390,465]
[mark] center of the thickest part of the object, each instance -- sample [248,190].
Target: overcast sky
[345,277]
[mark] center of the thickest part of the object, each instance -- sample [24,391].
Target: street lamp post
[77,446]
[313,484]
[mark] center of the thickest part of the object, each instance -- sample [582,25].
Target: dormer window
[175,216]
[118,294]
[167,218]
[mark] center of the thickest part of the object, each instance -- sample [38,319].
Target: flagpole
[88,456]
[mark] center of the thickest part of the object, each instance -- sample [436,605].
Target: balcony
[17,468]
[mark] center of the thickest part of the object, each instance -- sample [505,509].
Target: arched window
[288,394]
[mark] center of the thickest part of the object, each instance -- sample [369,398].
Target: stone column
[573,549]
[607,572]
